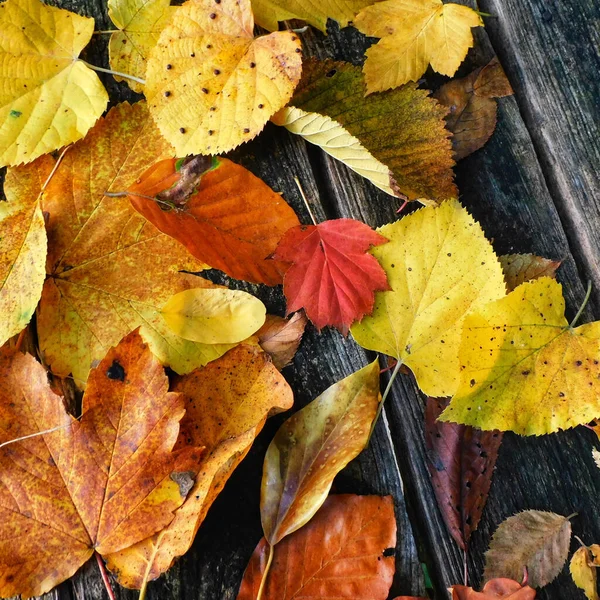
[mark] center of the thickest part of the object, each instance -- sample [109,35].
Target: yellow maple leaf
[269,13]
[524,368]
[23,247]
[583,567]
[210,85]
[415,33]
[110,271]
[440,266]
[140,22]
[48,97]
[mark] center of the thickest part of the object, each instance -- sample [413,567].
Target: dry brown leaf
[280,337]
[519,268]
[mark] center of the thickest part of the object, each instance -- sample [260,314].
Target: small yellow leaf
[269,13]
[140,22]
[23,246]
[214,316]
[415,33]
[583,570]
[439,266]
[523,368]
[211,85]
[596,454]
[48,98]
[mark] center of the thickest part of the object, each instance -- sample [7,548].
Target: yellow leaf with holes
[214,316]
[524,369]
[140,23]
[48,97]
[583,567]
[415,33]
[269,13]
[440,266]
[210,85]
[22,246]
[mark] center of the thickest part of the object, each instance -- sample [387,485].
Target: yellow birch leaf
[440,266]
[524,369]
[415,33]
[583,570]
[109,270]
[214,316]
[140,22]
[269,13]
[210,85]
[48,97]
[22,246]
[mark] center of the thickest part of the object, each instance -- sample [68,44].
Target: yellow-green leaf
[269,13]
[583,570]
[140,22]
[48,98]
[523,368]
[22,246]
[415,33]
[214,316]
[440,266]
[210,85]
[312,447]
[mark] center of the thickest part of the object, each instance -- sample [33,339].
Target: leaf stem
[482,14]
[310,212]
[105,578]
[106,31]
[168,205]
[263,581]
[388,389]
[36,434]
[117,73]
[583,305]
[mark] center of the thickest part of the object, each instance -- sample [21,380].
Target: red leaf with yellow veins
[339,554]
[98,484]
[332,277]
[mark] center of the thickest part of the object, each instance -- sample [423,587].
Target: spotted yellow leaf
[440,266]
[414,34]
[140,23]
[210,85]
[583,567]
[524,369]
[48,97]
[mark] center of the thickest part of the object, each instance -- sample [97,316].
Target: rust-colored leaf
[519,268]
[281,337]
[101,483]
[226,404]
[494,589]
[339,554]
[461,462]
[232,221]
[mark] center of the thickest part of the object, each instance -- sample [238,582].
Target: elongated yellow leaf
[415,33]
[523,368]
[439,266]
[583,570]
[22,246]
[214,316]
[312,447]
[48,98]
[269,13]
[211,85]
[140,22]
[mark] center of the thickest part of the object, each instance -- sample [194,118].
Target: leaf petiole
[105,578]
[263,581]
[106,31]
[583,305]
[117,73]
[388,389]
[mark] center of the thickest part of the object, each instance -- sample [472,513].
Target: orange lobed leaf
[98,484]
[495,588]
[232,221]
[339,554]
[331,276]
[227,403]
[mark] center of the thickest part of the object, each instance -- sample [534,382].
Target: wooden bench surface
[534,189]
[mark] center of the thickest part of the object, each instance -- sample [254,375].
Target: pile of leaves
[146,384]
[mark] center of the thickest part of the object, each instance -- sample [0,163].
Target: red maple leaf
[331,275]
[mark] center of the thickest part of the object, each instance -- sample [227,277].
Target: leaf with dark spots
[461,463]
[116,371]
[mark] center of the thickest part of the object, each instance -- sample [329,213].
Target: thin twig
[36,434]
[20,339]
[583,305]
[105,578]
[310,212]
[263,581]
[465,570]
[153,198]
[117,73]
[386,392]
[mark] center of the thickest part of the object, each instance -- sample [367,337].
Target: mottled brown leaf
[281,337]
[519,268]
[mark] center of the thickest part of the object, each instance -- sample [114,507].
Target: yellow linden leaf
[210,85]
[140,22]
[439,266]
[22,246]
[524,369]
[214,316]
[415,33]
[583,570]
[329,135]
[269,13]
[48,98]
